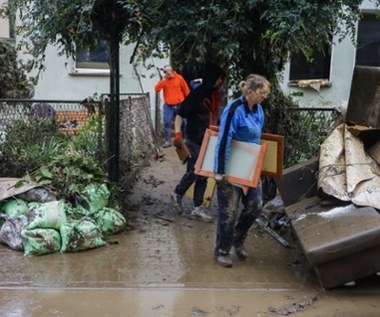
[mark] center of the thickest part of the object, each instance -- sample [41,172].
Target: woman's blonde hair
[253,82]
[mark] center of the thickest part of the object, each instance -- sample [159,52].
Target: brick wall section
[71,120]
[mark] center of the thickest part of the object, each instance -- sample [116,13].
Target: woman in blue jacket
[242,120]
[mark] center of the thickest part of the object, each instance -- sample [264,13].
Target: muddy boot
[241,252]
[199,214]
[177,202]
[223,260]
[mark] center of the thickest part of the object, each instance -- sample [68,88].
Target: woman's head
[255,88]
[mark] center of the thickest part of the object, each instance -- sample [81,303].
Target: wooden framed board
[244,165]
[273,164]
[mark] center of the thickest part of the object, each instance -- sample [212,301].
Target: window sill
[312,83]
[90,73]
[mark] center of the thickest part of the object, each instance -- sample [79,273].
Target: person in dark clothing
[192,73]
[198,110]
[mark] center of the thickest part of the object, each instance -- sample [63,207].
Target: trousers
[232,223]
[189,177]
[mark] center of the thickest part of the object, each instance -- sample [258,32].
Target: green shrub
[26,146]
[65,164]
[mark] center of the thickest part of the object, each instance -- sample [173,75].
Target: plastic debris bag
[110,220]
[10,232]
[40,241]
[47,215]
[275,205]
[14,207]
[81,235]
[39,194]
[95,197]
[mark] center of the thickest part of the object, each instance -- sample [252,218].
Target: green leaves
[243,36]
[64,164]
[246,34]
[13,77]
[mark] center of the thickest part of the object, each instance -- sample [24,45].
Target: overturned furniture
[333,207]
[341,243]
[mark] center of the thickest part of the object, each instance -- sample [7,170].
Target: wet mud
[166,268]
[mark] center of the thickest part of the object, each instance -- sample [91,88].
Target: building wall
[56,82]
[59,80]
[341,72]
[342,65]
[4,25]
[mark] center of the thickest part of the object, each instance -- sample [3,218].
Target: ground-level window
[317,69]
[368,46]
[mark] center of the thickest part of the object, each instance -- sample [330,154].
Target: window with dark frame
[317,69]
[368,46]
[96,59]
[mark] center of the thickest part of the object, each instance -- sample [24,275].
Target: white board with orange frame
[244,164]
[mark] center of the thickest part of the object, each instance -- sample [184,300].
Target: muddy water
[169,302]
[166,268]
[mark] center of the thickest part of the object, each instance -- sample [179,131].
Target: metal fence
[321,119]
[316,123]
[70,114]
[313,126]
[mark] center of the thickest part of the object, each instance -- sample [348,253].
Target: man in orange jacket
[175,91]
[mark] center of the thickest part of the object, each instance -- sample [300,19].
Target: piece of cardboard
[182,151]
[10,187]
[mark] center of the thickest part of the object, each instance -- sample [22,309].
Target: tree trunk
[113,113]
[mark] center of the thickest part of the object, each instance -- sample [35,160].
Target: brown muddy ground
[164,268]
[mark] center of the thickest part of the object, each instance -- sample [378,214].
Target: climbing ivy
[13,77]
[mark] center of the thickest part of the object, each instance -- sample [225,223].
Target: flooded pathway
[164,268]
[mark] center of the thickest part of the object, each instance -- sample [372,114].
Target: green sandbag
[80,235]
[40,241]
[50,214]
[110,220]
[95,197]
[14,207]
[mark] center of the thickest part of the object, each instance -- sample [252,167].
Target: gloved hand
[178,141]
[220,179]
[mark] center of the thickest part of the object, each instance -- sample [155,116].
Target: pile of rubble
[334,205]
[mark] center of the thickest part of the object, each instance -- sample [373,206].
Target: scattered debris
[153,181]
[294,307]
[198,311]
[233,310]
[147,200]
[158,307]
[164,216]
[264,225]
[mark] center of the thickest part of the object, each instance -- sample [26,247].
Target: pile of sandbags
[35,222]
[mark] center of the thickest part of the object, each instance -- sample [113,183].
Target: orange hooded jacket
[175,89]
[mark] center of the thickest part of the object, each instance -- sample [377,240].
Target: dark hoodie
[197,107]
